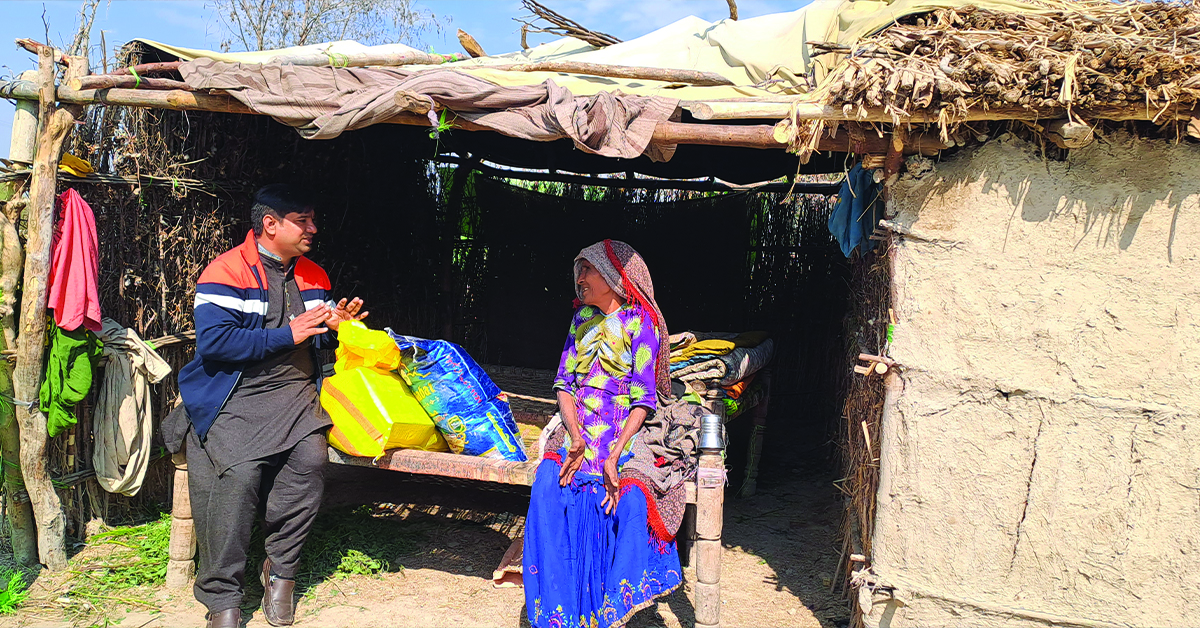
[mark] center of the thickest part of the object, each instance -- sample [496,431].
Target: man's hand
[345,312]
[309,323]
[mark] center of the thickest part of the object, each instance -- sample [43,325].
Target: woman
[596,551]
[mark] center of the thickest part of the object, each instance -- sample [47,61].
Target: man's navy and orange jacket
[231,333]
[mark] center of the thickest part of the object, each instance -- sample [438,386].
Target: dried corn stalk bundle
[1074,55]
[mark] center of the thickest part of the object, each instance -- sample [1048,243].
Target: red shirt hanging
[75,266]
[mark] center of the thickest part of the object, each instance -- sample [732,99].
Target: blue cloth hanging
[858,211]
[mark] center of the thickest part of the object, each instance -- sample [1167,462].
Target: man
[257,429]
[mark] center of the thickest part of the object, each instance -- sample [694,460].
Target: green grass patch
[135,562]
[15,590]
[356,563]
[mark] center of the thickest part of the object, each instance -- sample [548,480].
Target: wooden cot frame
[699,537]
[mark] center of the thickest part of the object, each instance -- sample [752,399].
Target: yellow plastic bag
[372,409]
[360,347]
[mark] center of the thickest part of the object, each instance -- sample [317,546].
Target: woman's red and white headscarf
[626,273]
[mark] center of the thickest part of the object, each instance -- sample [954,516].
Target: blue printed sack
[465,404]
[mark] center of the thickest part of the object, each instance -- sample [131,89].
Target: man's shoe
[278,606]
[228,618]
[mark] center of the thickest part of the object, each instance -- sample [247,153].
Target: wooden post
[24,128]
[21,527]
[182,547]
[710,516]
[750,483]
[20,511]
[55,124]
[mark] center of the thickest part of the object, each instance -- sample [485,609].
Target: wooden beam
[446,465]
[55,125]
[778,110]
[669,75]
[126,81]
[746,136]
[37,48]
[160,67]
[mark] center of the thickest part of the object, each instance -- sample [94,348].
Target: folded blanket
[744,362]
[729,369]
[690,345]
[704,347]
[692,361]
[714,373]
[681,340]
[710,364]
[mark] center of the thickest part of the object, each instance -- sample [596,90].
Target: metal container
[712,433]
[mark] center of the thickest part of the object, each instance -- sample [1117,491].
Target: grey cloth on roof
[324,102]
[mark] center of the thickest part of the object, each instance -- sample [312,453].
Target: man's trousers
[224,507]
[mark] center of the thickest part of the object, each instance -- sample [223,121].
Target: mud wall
[1041,447]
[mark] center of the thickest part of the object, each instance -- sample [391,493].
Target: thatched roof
[806,77]
[1094,55]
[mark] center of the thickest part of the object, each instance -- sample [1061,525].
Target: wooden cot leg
[686,539]
[750,483]
[181,569]
[710,497]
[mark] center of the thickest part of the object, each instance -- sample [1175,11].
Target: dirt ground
[779,558]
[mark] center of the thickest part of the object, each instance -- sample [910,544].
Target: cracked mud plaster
[1044,450]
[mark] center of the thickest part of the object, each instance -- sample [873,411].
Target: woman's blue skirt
[586,569]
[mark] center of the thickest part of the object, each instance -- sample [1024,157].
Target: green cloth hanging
[73,356]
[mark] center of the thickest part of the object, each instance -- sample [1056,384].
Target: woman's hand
[573,461]
[612,485]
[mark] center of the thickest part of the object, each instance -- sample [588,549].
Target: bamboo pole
[22,530]
[55,124]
